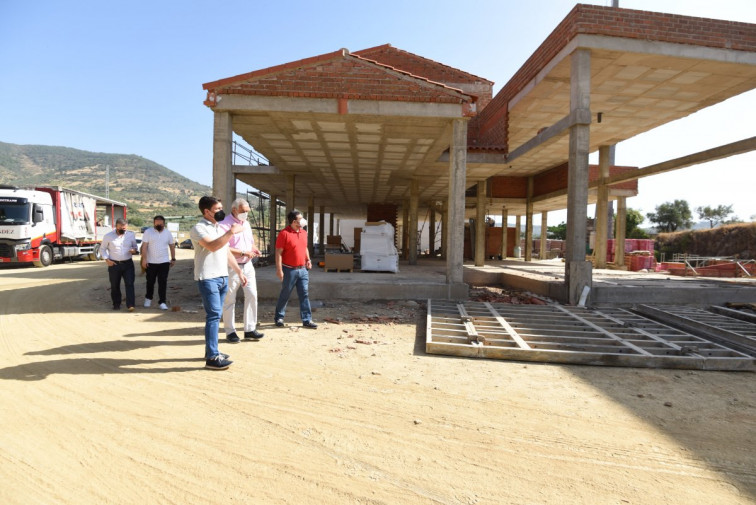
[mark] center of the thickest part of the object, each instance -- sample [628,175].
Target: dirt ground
[105,407]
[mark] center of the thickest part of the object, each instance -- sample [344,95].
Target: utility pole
[107,181]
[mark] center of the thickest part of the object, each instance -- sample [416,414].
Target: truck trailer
[47,223]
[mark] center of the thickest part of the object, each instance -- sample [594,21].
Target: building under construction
[384,134]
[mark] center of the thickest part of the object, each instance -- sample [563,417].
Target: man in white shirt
[242,246]
[212,259]
[117,248]
[158,256]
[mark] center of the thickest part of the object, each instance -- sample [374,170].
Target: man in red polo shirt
[292,267]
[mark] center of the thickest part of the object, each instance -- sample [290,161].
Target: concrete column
[480,225]
[602,203]
[529,222]
[610,207]
[504,234]
[544,252]
[272,223]
[330,224]
[291,186]
[321,230]
[621,230]
[405,229]
[338,227]
[578,272]
[432,231]
[445,230]
[518,230]
[310,221]
[224,182]
[414,192]
[456,203]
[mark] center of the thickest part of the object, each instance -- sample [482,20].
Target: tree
[714,215]
[670,216]
[633,220]
[558,232]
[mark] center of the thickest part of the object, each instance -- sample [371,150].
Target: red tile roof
[338,75]
[418,65]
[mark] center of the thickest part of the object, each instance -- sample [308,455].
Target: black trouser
[157,271]
[125,270]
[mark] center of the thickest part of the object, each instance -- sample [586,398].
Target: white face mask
[302,222]
[241,216]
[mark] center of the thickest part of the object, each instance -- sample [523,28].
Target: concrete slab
[427,279]
[614,287]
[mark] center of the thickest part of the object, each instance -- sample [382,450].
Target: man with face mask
[292,267]
[158,256]
[117,248]
[212,260]
[242,246]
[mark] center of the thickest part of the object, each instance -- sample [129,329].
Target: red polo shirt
[294,245]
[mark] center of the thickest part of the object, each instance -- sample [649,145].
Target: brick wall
[508,187]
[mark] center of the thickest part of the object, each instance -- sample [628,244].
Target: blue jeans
[212,291]
[299,277]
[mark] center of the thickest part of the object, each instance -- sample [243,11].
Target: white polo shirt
[208,265]
[158,250]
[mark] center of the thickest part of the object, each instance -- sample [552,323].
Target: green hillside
[147,187]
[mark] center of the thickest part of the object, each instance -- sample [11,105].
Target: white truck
[42,224]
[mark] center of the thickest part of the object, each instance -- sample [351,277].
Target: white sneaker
[147,302]
[163,306]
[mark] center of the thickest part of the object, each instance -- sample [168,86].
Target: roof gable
[417,65]
[337,75]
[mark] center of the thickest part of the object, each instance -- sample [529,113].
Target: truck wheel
[95,256]
[45,257]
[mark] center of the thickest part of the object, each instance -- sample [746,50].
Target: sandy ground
[104,407]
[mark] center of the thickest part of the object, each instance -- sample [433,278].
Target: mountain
[147,187]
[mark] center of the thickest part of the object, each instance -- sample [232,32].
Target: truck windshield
[13,213]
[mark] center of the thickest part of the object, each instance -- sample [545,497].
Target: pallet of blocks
[335,262]
[377,250]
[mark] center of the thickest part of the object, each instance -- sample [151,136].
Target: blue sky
[126,77]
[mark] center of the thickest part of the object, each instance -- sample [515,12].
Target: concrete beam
[716,153]
[474,158]
[256,170]
[551,133]
[255,103]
